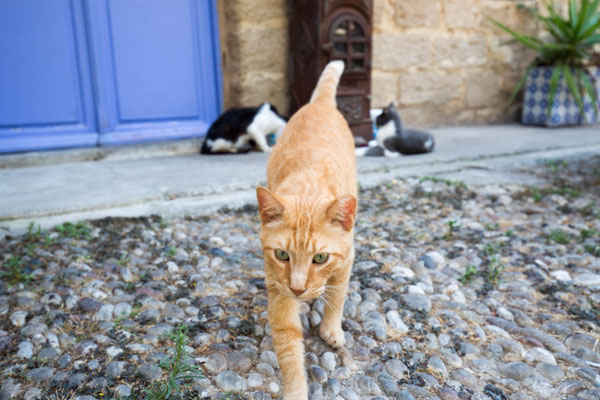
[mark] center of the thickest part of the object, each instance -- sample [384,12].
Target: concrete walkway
[194,184]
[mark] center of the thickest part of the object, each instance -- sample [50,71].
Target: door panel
[159,70]
[154,59]
[45,93]
[88,72]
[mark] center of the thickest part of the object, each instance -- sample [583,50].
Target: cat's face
[385,116]
[305,243]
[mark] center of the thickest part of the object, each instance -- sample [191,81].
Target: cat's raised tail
[328,82]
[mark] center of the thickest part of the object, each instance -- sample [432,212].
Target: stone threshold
[111,153]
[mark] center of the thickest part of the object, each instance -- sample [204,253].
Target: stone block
[263,49]
[417,13]
[392,51]
[460,50]
[258,87]
[384,89]
[383,13]
[422,116]
[509,14]
[462,13]
[429,87]
[483,88]
[254,11]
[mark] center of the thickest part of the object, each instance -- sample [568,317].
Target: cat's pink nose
[298,292]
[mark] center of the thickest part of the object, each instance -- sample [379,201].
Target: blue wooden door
[87,72]
[45,85]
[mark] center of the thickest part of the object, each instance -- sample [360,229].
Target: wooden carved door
[348,35]
[335,30]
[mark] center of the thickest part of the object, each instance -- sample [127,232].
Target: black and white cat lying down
[393,139]
[240,130]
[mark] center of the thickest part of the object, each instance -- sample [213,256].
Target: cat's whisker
[329,304]
[334,290]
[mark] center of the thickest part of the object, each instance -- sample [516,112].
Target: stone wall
[441,61]
[254,47]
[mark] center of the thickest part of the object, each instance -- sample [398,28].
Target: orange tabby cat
[307,220]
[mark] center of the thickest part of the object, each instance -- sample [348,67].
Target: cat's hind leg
[259,138]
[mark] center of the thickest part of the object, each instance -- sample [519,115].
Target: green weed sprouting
[453,226]
[448,182]
[12,271]
[494,271]
[494,268]
[170,251]
[180,371]
[559,236]
[470,273]
[556,165]
[33,232]
[536,194]
[123,260]
[75,231]
[492,227]
[592,249]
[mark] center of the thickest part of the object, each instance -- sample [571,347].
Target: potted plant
[562,85]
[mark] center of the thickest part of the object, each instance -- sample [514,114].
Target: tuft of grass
[494,268]
[492,227]
[535,194]
[448,182]
[137,308]
[538,194]
[587,233]
[490,250]
[510,233]
[556,165]
[565,191]
[12,271]
[470,273]
[33,232]
[592,249]
[452,227]
[494,272]
[75,231]
[232,396]
[180,372]
[124,260]
[170,252]
[559,236]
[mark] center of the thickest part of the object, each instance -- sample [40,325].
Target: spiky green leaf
[526,40]
[554,79]
[574,88]
[590,88]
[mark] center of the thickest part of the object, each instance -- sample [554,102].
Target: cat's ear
[269,206]
[343,211]
[392,106]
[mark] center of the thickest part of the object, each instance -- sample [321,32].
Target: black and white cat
[393,139]
[240,130]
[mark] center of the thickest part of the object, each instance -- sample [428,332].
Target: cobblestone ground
[458,292]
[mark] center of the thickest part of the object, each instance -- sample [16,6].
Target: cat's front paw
[332,334]
[295,396]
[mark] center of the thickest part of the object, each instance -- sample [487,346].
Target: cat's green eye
[282,255]
[320,258]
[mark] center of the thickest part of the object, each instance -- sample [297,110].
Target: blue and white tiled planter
[565,110]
